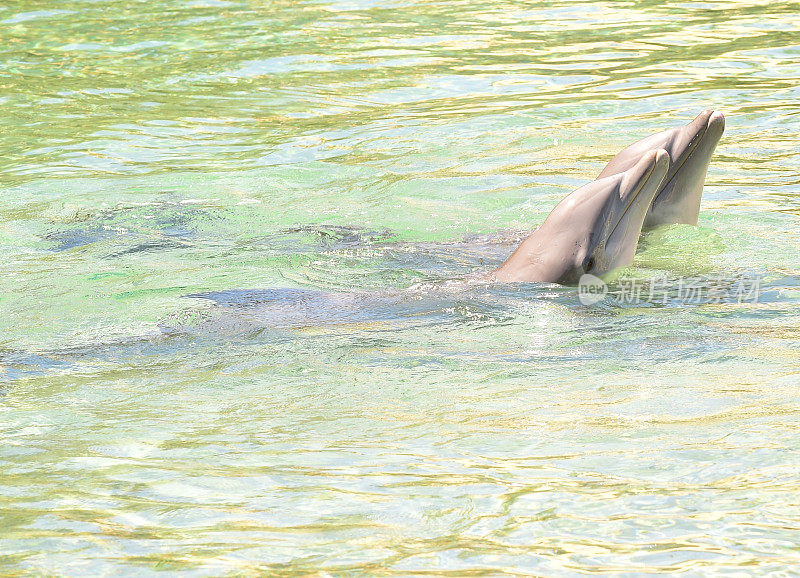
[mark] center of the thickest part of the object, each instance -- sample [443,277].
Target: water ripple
[236,335]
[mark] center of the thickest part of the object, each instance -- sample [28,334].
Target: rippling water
[231,339]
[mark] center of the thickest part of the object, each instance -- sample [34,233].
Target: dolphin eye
[590,264]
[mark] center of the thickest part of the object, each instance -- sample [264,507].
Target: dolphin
[593,230]
[690,148]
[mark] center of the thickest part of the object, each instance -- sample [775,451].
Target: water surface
[231,342]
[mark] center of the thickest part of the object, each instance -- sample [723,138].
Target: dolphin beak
[638,188]
[716,124]
[708,122]
[690,137]
[690,149]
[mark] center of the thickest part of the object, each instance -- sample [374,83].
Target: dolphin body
[593,230]
[690,148]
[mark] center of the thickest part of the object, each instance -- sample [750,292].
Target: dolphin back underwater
[656,181]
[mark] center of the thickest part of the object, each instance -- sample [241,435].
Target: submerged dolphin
[594,230]
[690,148]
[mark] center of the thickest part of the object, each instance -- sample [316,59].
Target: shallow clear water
[229,343]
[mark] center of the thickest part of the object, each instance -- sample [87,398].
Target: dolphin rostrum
[594,229]
[690,148]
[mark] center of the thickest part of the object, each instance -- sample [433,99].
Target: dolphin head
[593,230]
[690,148]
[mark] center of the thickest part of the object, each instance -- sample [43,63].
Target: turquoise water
[233,336]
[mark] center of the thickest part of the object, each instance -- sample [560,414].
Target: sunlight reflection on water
[232,339]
